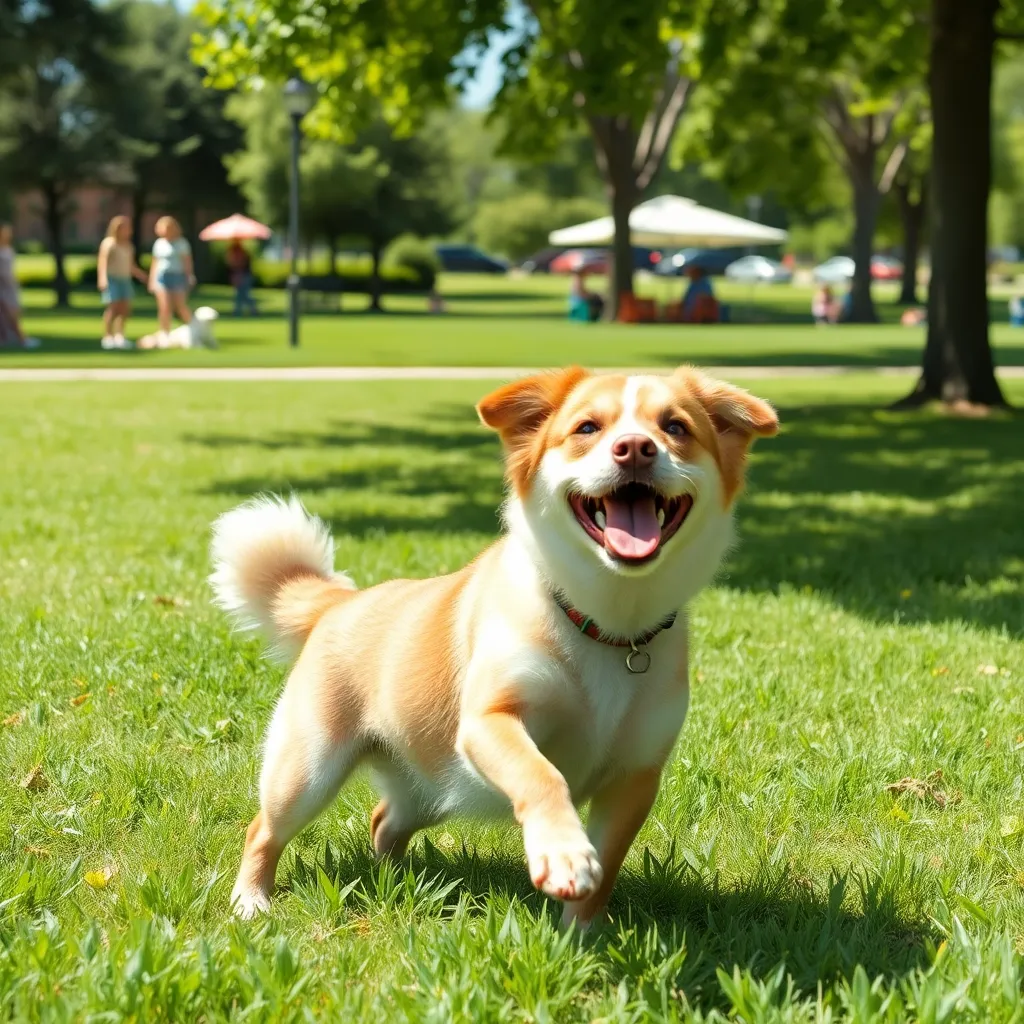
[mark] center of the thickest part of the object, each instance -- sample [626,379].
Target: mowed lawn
[503,321]
[840,832]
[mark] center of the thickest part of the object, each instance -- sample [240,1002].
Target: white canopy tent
[672,221]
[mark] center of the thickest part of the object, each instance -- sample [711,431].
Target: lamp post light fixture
[298,98]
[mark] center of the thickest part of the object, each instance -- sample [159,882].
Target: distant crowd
[170,280]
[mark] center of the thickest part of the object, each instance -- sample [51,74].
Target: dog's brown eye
[587,427]
[677,428]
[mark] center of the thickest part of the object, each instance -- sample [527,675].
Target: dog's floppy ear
[732,410]
[518,409]
[518,412]
[737,416]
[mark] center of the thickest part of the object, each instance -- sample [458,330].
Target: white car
[836,270]
[753,269]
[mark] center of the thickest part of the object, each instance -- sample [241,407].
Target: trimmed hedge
[354,273]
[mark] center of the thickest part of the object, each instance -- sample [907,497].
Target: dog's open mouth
[632,522]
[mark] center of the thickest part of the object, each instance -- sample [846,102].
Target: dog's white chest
[624,718]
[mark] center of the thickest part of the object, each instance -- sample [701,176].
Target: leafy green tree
[624,71]
[375,189]
[910,187]
[336,182]
[839,77]
[957,365]
[173,130]
[520,224]
[55,132]
[1007,208]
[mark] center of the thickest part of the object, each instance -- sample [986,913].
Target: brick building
[88,214]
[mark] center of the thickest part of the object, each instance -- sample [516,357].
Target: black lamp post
[298,99]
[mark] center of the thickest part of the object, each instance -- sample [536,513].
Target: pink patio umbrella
[235,226]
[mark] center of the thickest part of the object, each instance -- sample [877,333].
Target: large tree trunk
[865,217]
[54,216]
[375,282]
[620,272]
[629,157]
[911,221]
[615,141]
[957,364]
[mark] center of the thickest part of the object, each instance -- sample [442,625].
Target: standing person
[10,300]
[240,274]
[171,274]
[115,268]
[823,306]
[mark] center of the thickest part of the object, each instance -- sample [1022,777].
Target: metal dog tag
[638,661]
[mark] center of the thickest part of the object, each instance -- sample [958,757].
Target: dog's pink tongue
[631,528]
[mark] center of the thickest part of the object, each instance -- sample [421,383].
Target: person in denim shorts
[115,268]
[170,274]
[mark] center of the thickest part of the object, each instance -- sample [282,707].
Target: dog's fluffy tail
[274,569]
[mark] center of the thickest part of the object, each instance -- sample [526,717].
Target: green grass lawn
[495,321]
[869,630]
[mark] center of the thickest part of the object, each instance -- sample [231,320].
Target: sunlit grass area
[839,832]
[497,321]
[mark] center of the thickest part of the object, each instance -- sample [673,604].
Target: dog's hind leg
[398,816]
[303,768]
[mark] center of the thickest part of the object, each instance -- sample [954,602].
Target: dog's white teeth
[661,517]
[599,519]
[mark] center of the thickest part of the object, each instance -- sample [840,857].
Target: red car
[572,259]
[885,268]
[596,260]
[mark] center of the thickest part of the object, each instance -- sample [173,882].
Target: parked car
[467,259]
[596,260]
[712,261]
[758,268]
[572,259]
[540,261]
[840,268]
[886,268]
[836,270]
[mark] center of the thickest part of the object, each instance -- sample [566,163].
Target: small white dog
[197,334]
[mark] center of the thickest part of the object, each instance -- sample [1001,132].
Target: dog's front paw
[249,902]
[562,861]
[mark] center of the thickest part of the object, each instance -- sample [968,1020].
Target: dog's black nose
[634,450]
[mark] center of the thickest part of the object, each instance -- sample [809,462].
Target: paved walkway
[380,373]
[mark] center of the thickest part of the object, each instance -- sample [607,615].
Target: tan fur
[300,602]
[472,692]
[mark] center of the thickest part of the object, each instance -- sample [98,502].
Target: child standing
[239,264]
[823,306]
[115,268]
[171,273]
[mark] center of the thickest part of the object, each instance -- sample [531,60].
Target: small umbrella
[235,226]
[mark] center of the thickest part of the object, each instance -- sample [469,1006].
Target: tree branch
[657,131]
[888,121]
[892,166]
[1010,37]
[838,119]
[835,147]
[600,129]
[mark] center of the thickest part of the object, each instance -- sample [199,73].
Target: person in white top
[171,273]
[115,268]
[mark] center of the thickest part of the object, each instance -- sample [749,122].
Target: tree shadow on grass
[822,931]
[894,516]
[834,354]
[915,517]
